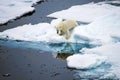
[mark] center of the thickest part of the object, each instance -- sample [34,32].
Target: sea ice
[85,61]
[112,51]
[12,9]
[102,31]
[86,12]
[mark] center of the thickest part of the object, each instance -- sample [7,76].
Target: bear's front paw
[67,37]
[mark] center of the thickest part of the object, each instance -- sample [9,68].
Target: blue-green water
[101,72]
[51,47]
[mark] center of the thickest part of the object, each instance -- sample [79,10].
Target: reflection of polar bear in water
[64,27]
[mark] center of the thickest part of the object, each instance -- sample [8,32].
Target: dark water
[29,64]
[20,63]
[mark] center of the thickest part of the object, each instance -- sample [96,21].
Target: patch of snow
[85,61]
[13,9]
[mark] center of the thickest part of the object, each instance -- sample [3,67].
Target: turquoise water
[52,47]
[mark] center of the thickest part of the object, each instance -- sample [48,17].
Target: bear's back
[70,23]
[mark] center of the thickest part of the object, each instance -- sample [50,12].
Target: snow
[85,13]
[39,32]
[85,61]
[13,9]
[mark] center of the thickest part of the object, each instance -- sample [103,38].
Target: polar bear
[64,27]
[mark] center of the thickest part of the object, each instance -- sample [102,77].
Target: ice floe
[107,53]
[102,31]
[85,61]
[40,32]
[13,9]
[112,51]
[86,13]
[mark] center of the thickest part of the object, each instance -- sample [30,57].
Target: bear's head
[59,30]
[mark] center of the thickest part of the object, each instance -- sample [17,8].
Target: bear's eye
[60,31]
[57,31]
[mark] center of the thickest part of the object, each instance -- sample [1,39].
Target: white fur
[64,27]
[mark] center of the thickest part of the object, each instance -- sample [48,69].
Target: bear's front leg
[67,34]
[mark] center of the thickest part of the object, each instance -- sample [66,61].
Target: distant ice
[12,9]
[87,12]
[112,2]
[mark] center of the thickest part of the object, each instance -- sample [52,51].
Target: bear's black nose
[57,31]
